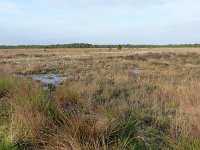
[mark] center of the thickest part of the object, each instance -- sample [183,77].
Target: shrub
[119,47]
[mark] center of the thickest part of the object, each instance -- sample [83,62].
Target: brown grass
[132,101]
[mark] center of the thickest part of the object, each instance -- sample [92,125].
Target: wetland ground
[107,99]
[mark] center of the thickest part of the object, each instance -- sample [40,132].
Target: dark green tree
[119,47]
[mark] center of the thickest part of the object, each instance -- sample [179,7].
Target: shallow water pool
[50,78]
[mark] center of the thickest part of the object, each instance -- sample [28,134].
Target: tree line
[87,45]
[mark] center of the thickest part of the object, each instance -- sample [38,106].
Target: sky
[99,21]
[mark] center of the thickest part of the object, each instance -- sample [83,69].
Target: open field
[109,99]
[10,53]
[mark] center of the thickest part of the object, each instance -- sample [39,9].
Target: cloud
[99,6]
[8,7]
[99,21]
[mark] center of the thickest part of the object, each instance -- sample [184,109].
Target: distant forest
[86,45]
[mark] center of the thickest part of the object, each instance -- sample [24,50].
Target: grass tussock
[123,114]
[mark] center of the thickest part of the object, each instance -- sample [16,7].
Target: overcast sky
[99,21]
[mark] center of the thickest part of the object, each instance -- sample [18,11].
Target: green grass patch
[5,86]
[7,146]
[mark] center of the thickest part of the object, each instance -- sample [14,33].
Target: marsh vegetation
[139,101]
